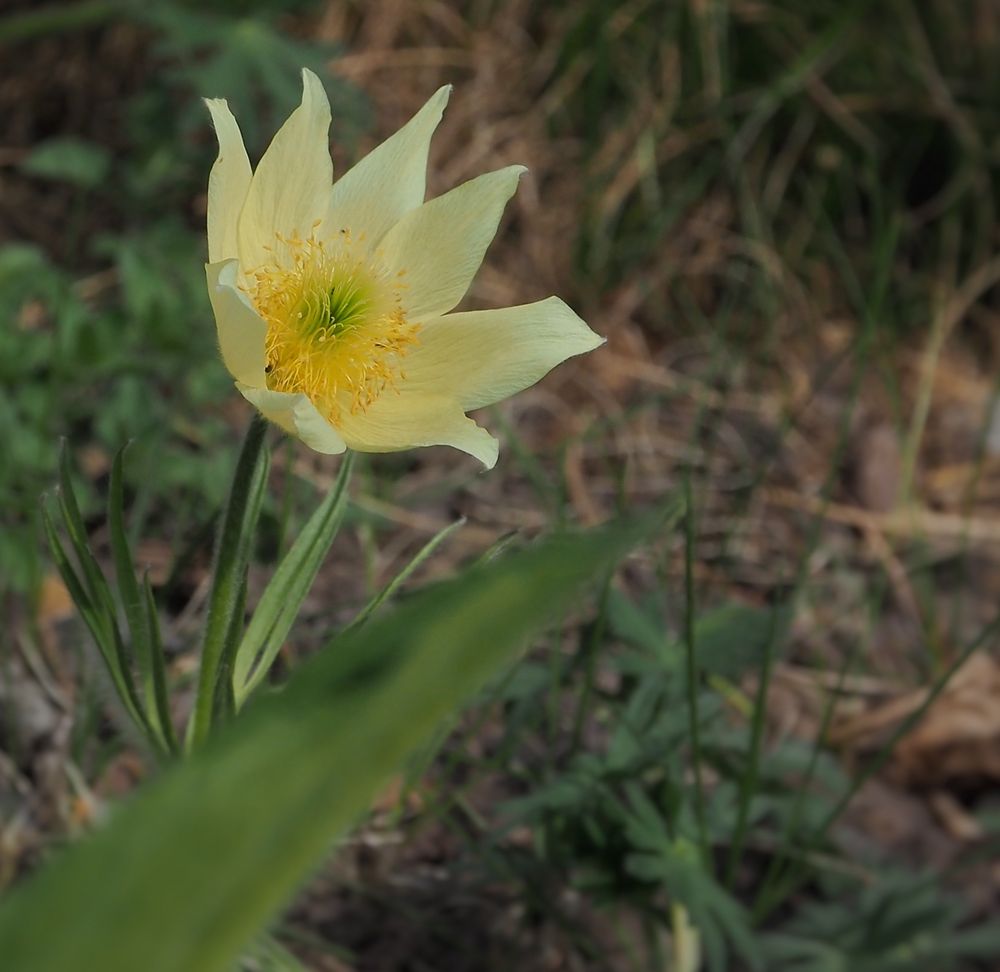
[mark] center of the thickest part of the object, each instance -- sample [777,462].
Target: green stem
[230,562]
[591,647]
[692,666]
[750,779]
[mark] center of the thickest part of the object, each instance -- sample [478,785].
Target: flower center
[336,329]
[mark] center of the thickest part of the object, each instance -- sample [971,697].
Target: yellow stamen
[336,329]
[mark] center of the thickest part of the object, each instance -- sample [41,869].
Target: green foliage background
[111,339]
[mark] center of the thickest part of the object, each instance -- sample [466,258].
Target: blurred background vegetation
[784,218]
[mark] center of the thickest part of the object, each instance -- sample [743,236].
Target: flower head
[333,300]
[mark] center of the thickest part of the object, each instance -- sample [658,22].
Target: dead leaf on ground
[957,740]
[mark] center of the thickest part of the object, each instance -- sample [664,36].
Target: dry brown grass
[914,481]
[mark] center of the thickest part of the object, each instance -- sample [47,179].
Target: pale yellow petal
[388,182]
[297,416]
[397,421]
[290,189]
[482,357]
[228,183]
[439,246]
[240,328]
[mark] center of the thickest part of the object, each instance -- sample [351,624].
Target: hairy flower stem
[230,565]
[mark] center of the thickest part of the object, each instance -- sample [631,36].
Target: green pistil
[328,314]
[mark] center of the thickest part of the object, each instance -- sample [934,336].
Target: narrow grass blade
[98,615]
[158,658]
[404,575]
[193,867]
[91,577]
[133,601]
[691,656]
[750,778]
[781,859]
[590,650]
[279,605]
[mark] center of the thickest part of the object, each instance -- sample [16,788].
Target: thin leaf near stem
[100,624]
[139,619]
[91,577]
[404,575]
[159,669]
[281,600]
[230,562]
[93,597]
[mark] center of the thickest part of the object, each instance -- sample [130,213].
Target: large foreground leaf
[196,864]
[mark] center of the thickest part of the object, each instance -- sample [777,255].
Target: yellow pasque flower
[332,300]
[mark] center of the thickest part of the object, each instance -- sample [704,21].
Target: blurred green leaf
[71,160]
[17,259]
[902,923]
[192,868]
[243,58]
[730,639]
[639,626]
